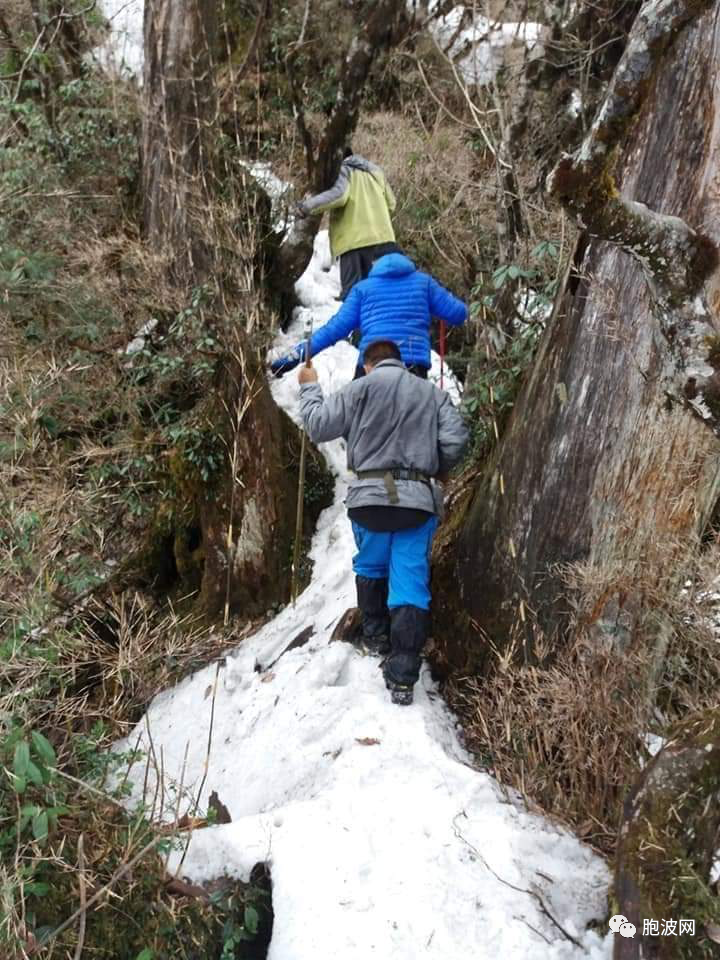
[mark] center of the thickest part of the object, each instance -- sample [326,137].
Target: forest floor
[381,836]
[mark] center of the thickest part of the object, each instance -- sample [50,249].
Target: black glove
[289,361]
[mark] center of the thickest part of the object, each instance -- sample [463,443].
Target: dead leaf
[267,677]
[367,741]
[208,691]
[185,822]
[182,889]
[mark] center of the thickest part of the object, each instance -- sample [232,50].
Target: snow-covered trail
[382,839]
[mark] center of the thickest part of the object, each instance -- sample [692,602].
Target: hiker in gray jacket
[360,203]
[401,433]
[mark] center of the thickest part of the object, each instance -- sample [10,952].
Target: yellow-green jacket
[360,203]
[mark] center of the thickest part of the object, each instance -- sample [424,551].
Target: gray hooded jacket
[390,419]
[360,203]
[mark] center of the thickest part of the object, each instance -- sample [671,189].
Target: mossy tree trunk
[247,515]
[225,532]
[668,838]
[611,457]
[179,95]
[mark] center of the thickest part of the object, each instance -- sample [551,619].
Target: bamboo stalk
[301,486]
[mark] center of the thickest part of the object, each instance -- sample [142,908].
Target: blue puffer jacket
[394,303]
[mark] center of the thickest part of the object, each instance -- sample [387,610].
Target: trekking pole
[442,353]
[307,331]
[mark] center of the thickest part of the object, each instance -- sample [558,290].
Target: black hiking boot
[409,628]
[400,693]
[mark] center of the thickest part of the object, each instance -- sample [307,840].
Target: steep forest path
[382,839]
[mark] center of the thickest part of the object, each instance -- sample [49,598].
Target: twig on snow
[530,893]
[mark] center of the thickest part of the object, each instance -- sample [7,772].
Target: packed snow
[382,838]
[276,189]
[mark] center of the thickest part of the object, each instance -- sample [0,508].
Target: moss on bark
[667,843]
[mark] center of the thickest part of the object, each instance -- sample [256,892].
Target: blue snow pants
[402,557]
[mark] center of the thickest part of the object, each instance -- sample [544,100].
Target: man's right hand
[307,374]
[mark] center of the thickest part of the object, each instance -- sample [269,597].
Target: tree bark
[604,462]
[667,843]
[178,88]
[247,517]
[225,529]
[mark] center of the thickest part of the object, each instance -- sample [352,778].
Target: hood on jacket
[393,265]
[356,162]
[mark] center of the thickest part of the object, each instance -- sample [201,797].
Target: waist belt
[390,476]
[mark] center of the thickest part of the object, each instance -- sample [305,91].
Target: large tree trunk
[225,531]
[178,88]
[247,517]
[605,462]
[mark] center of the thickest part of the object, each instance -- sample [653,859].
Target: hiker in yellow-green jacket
[360,203]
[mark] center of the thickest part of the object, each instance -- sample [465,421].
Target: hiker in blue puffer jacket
[395,302]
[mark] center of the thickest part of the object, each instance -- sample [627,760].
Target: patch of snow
[276,189]
[135,346]
[575,104]
[704,606]
[319,286]
[382,839]
[653,743]
[123,49]
[533,308]
[478,50]
[138,342]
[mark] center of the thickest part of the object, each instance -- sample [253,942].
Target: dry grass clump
[570,732]
[102,663]
[106,891]
[445,208]
[566,737]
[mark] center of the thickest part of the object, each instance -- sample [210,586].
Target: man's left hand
[307,374]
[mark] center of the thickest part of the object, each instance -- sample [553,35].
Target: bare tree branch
[380,30]
[262,16]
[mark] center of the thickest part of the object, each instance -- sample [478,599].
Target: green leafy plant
[492,386]
[29,765]
[538,280]
[240,926]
